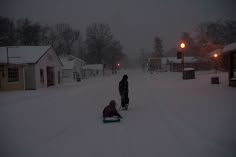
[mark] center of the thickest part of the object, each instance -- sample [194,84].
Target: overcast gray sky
[134,22]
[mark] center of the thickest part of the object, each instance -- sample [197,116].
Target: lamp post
[182,47]
[215,79]
[216,64]
[118,66]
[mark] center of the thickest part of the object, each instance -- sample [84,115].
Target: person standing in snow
[124,90]
[110,110]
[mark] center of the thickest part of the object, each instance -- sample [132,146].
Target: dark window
[59,77]
[234,65]
[13,75]
[41,76]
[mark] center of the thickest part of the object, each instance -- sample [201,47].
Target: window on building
[59,77]
[74,75]
[13,75]
[234,65]
[41,76]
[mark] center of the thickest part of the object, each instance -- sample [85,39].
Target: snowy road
[168,117]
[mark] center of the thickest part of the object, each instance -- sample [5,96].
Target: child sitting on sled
[110,112]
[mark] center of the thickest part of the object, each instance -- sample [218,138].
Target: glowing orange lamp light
[182,45]
[215,55]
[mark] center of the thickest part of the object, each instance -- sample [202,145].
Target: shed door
[50,76]
[233,65]
[0,79]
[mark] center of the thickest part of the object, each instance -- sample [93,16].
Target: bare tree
[230,32]
[7,32]
[113,55]
[98,38]
[30,33]
[143,58]
[62,37]
[213,35]
[158,47]
[211,32]
[79,48]
[191,47]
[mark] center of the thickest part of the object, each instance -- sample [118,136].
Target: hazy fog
[134,22]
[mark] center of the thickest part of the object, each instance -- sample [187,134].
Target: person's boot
[126,107]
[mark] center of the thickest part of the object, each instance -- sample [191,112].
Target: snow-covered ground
[168,117]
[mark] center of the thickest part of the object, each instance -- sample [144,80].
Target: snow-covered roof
[81,60]
[186,59]
[188,69]
[93,67]
[229,48]
[217,51]
[67,64]
[154,58]
[164,60]
[22,54]
[69,61]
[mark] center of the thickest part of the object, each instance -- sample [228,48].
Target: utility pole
[8,53]
[142,59]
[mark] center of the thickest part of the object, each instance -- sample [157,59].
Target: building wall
[7,86]
[49,59]
[77,67]
[70,75]
[154,64]
[67,75]
[30,79]
[232,69]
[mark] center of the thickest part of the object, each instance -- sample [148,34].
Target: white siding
[72,68]
[30,80]
[67,75]
[49,59]
[77,67]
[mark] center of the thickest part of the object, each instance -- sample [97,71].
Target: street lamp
[182,47]
[215,79]
[215,55]
[216,64]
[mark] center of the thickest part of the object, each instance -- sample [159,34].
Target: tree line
[208,37]
[98,46]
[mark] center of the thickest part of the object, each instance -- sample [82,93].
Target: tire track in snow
[190,134]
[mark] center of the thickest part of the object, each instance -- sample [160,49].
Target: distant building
[92,70]
[72,68]
[29,67]
[154,64]
[230,52]
[221,62]
[175,65]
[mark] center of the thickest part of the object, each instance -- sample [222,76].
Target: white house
[32,67]
[230,51]
[169,63]
[71,70]
[93,70]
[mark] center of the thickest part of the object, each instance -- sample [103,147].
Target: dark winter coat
[124,90]
[110,110]
[124,86]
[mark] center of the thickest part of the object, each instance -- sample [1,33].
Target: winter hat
[112,103]
[125,77]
